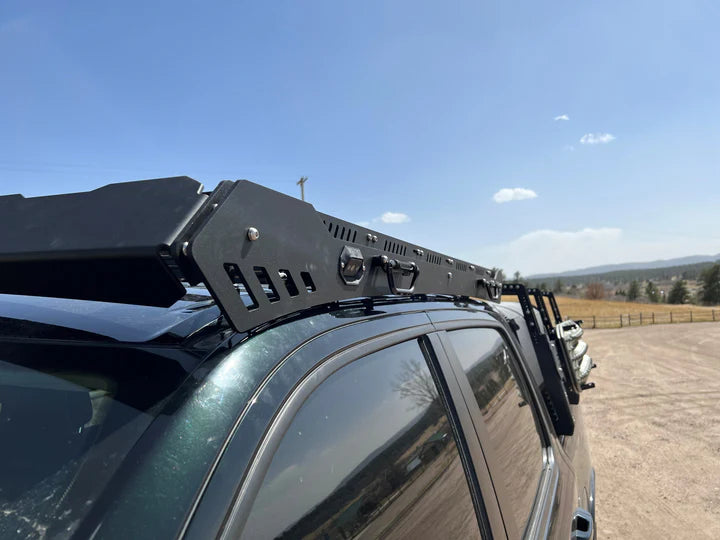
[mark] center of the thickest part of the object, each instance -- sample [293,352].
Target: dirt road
[654,427]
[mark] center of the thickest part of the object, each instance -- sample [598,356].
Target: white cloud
[597,138]
[390,218]
[569,148]
[513,194]
[394,217]
[562,117]
[549,251]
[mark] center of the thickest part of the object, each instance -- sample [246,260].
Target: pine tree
[633,291]
[710,294]
[558,287]
[651,291]
[679,293]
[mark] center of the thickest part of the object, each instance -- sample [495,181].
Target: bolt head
[253,234]
[449,275]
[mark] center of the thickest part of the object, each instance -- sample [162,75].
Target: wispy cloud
[569,148]
[597,138]
[394,217]
[390,218]
[513,194]
[561,250]
[562,117]
[581,248]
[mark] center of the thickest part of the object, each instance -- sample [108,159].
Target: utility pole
[301,183]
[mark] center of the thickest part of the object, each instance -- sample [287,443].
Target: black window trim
[242,505]
[541,514]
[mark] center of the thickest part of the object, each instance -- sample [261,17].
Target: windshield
[69,416]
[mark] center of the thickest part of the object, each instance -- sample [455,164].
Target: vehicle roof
[59,318]
[34,316]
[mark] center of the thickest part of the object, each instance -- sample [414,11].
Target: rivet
[253,234]
[369,237]
[449,275]
[449,261]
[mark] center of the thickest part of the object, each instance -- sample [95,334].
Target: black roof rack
[260,253]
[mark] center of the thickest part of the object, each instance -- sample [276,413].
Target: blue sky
[424,109]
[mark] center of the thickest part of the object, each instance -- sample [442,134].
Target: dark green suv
[413,415]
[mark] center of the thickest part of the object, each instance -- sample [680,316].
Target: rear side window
[371,453]
[507,413]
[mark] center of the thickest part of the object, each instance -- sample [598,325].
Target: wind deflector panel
[108,244]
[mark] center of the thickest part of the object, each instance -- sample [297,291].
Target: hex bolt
[369,237]
[375,238]
[253,234]
[449,261]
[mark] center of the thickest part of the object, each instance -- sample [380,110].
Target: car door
[368,443]
[534,484]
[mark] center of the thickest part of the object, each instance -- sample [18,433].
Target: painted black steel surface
[104,244]
[136,242]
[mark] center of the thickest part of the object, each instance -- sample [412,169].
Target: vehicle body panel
[191,464]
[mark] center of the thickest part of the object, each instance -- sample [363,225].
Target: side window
[371,452]
[490,367]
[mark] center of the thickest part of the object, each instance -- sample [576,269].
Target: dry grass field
[654,427]
[579,308]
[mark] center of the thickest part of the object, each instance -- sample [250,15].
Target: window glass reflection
[505,408]
[370,454]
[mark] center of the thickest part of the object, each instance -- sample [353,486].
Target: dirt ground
[654,428]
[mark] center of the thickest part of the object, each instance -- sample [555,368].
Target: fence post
[691,316]
[653,317]
[671,316]
[620,321]
[641,318]
[713,315]
[594,318]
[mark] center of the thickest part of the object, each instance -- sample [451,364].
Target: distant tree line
[708,275]
[686,272]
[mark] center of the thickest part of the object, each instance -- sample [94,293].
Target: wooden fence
[645,319]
